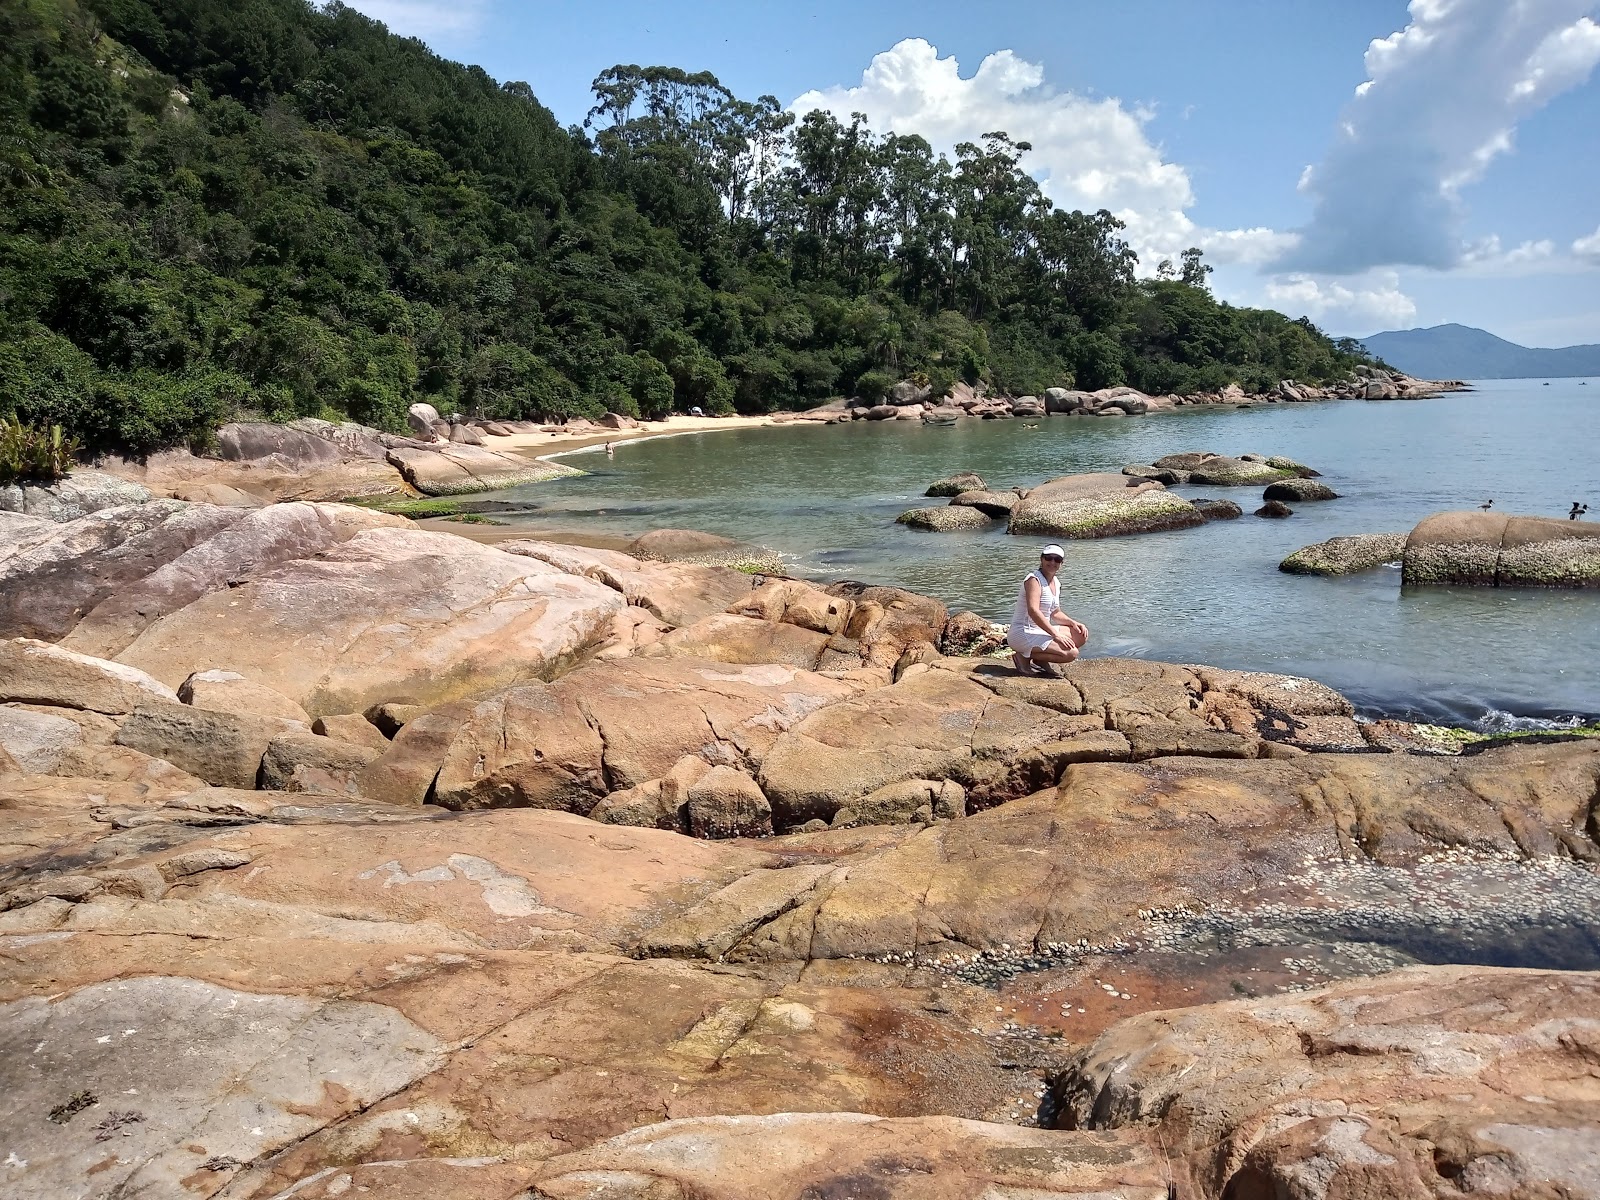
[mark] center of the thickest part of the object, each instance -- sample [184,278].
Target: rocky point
[341,857]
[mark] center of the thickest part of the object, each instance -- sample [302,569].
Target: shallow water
[826,497]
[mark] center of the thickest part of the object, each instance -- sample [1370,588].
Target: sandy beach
[544,445]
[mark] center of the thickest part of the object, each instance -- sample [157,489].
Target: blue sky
[1369,163]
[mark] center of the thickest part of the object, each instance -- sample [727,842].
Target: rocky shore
[337,856]
[911,401]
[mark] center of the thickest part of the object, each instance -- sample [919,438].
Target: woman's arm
[1080,631]
[1030,592]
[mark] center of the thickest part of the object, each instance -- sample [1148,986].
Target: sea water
[826,497]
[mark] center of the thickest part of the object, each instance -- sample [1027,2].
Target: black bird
[1486,505]
[1577,511]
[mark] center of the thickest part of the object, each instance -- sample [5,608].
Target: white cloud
[1373,303]
[426,18]
[1246,247]
[1588,248]
[1442,101]
[1087,153]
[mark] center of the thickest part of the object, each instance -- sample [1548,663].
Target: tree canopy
[210,207]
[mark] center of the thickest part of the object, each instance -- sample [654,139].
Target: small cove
[826,498]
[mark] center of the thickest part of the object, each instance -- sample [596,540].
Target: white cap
[1057,551]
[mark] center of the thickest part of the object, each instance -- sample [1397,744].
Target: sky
[1371,164]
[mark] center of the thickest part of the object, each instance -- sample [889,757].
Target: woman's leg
[1055,654]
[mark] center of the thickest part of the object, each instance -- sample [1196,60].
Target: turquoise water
[826,497]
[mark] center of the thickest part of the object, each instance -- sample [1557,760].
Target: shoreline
[550,446]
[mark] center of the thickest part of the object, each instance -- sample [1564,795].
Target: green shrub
[34,454]
[874,385]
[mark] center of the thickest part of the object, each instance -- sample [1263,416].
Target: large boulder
[1064,400]
[1497,550]
[907,392]
[936,725]
[52,575]
[455,468]
[1468,1055]
[39,673]
[295,449]
[1082,859]
[79,494]
[37,740]
[176,571]
[1100,505]
[678,593]
[229,691]
[726,802]
[390,615]
[1346,555]
[422,418]
[358,467]
[607,727]
[224,749]
[946,518]
[1220,471]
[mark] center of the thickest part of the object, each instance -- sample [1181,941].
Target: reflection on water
[826,498]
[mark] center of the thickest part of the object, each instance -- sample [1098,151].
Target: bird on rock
[1486,505]
[1577,511]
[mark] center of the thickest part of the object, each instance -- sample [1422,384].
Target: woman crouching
[1041,635]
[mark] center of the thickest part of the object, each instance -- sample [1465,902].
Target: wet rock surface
[1346,555]
[1499,550]
[782,902]
[1100,505]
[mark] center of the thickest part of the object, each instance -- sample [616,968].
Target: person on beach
[610,453]
[1041,635]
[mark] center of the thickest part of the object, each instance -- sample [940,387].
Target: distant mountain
[1461,352]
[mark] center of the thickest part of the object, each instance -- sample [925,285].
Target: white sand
[544,444]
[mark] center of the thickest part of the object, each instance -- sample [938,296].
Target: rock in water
[1237,472]
[1498,550]
[954,485]
[1100,505]
[1346,555]
[1299,489]
[1275,508]
[995,504]
[1218,510]
[945,519]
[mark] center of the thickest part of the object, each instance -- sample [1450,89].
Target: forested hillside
[218,206]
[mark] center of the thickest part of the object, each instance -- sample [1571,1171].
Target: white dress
[1024,636]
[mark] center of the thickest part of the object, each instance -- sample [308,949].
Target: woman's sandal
[1023,666]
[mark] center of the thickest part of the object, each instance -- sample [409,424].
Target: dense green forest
[212,207]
